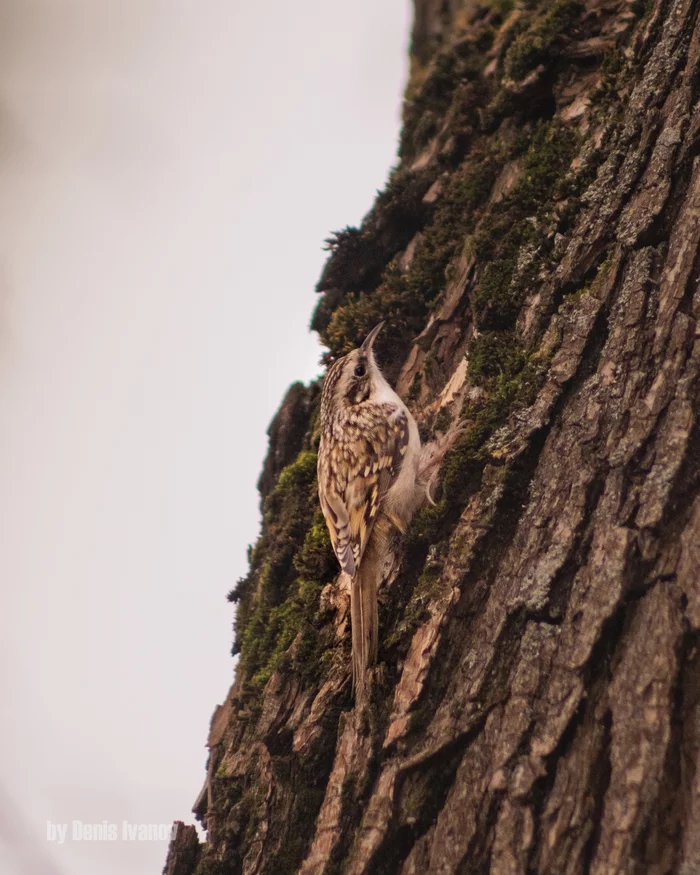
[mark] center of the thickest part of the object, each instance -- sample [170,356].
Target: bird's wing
[357,474]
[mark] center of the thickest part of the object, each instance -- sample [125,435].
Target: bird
[369,483]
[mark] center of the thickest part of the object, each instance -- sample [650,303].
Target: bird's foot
[432,456]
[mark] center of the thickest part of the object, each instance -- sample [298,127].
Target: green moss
[536,44]
[545,164]
[443,420]
[612,73]
[510,378]
[517,221]
[275,605]
[594,288]
[441,91]
[428,524]
[494,354]
[467,190]
[327,660]
[415,387]
[393,302]
[271,633]
[209,866]
[496,300]
[294,481]
[404,298]
[267,639]
[504,277]
[316,559]
[359,255]
[502,8]
[427,588]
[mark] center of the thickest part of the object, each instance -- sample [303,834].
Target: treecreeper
[373,475]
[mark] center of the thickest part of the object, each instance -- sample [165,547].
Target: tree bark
[536,707]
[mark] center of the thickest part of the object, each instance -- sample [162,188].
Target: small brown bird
[368,482]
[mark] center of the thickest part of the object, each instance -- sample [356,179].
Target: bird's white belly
[401,498]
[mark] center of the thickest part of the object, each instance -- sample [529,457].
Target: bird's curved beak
[371,337]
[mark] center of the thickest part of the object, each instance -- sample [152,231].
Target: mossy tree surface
[536,704]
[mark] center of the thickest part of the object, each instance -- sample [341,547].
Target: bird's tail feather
[364,610]
[364,617]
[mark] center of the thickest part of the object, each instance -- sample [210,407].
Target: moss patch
[449,89]
[358,256]
[271,632]
[494,354]
[537,44]
[403,299]
[278,600]
[512,242]
[425,591]
[316,559]
[510,377]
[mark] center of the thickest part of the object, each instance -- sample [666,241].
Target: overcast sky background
[168,172]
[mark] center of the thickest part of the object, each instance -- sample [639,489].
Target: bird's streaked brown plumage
[367,481]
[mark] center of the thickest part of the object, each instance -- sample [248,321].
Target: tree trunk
[536,706]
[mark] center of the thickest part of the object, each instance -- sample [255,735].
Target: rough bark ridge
[536,707]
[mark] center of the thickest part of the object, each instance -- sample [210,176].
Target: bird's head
[352,378]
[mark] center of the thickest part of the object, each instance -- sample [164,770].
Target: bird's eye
[360,370]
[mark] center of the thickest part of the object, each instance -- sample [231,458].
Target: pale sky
[168,172]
